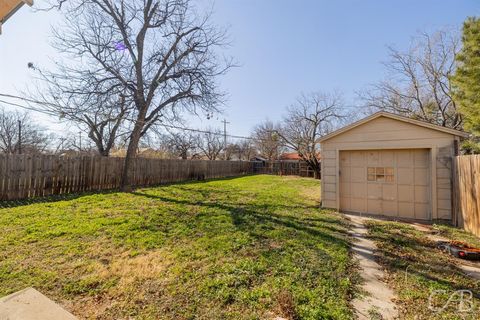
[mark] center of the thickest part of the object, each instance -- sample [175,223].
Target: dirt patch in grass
[245,248]
[423,277]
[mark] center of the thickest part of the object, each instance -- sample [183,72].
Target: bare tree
[19,134]
[230,151]
[160,53]
[267,140]
[182,144]
[246,150]
[211,143]
[95,105]
[418,84]
[311,117]
[242,150]
[75,143]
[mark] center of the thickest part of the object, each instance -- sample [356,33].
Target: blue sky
[285,47]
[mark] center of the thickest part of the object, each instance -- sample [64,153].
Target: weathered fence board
[466,193]
[29,176]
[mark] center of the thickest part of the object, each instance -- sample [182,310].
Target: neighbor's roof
[293,156]
[290,156]
[395,117]
[9,7]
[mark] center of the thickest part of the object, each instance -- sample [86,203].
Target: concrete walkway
[29,304]
[377,301]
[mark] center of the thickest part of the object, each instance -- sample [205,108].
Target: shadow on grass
[76,195]
[248,217]
[407,253]
[52,198]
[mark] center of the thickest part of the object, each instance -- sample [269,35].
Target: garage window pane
[389,175]
[380,174]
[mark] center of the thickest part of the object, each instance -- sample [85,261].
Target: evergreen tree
[466,80]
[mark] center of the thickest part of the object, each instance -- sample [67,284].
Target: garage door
[388,182]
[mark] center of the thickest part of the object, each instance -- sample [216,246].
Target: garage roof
[395,117]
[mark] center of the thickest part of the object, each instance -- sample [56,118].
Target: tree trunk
[127,174]
[315,166]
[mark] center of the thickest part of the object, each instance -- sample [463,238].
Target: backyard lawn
[255,247]
[418,271]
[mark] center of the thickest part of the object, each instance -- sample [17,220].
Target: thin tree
[159,52]
[246,150]
[267,140]
[418,84]
[182,144]
[211,143]
[20,134]
[307,120]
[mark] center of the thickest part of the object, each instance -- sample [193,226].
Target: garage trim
[396,117]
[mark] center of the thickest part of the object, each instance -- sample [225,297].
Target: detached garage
[390,165]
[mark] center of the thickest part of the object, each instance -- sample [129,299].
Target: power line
[224,134]
[208,132]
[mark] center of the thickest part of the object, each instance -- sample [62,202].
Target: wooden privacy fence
[279,167]
[466,193]
[29,176]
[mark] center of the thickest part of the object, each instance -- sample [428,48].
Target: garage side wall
[445,155]
[387,133]
[329,178]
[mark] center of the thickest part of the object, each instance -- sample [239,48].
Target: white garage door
[388,182]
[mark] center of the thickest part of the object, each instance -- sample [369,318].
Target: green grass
[417,270]
[452,233]
[254,247]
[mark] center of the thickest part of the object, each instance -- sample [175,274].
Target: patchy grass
[421,274]
[254,247]
[453,233]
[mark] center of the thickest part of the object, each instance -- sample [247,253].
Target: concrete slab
[29,304]
[378,299]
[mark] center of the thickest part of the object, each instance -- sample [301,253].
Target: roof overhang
[9,7]
[395,117]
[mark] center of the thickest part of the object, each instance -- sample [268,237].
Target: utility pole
[225,138]
[19,136]
[80,140]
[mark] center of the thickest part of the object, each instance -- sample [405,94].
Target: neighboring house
[294,156]
[390,165]
[9,7]
[290,156]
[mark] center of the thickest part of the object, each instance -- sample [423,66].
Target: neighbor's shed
[390,165]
